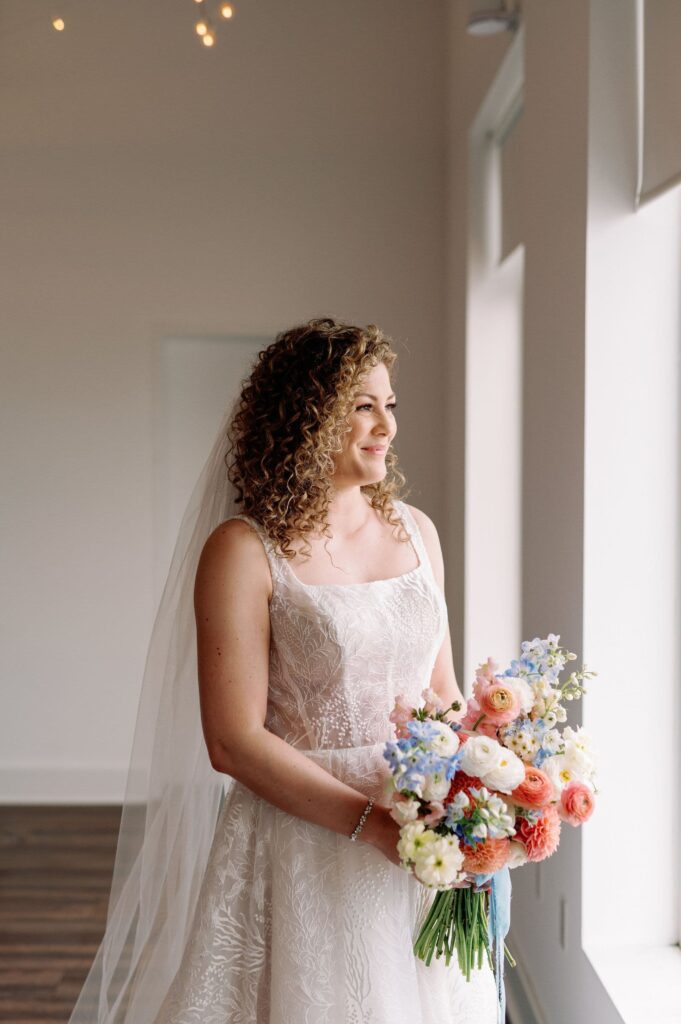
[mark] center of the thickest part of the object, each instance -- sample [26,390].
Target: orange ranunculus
[535,791]
[499,703]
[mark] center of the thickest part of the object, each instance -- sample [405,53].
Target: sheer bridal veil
[173,794]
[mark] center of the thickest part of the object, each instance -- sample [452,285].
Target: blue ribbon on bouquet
[498,924]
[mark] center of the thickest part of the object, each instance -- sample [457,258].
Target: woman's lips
[377,450]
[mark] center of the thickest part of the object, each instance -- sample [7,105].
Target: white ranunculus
[404,811]
[439,864]
[446,742]
[436,786]
[480,755]
[507,773]
[517,854]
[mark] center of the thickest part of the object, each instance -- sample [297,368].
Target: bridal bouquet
[487,792]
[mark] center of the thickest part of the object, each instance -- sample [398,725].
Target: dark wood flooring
[55,873]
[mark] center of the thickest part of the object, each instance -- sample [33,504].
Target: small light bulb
[208,39]
[201,28]
[58,24]
[226,10]
[198,1]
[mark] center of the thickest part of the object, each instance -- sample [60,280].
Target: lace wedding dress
[295,924]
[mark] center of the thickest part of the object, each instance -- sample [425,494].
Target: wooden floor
[55,874]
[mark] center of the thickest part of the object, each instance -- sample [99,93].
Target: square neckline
[368,583]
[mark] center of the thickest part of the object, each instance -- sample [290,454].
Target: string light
[202,28]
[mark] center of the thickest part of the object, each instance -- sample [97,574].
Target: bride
[261,883]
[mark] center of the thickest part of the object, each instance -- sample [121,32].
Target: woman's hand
[382,832]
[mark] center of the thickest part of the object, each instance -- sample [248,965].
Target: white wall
[153,188]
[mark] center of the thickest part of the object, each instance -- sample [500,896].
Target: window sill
[644,982]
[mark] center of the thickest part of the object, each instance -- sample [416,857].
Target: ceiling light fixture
[487,18]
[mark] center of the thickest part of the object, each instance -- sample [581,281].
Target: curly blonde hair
[291,416]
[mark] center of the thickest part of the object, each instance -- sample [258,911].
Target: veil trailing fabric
[173,794]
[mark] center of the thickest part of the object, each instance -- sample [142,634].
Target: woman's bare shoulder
[234,547]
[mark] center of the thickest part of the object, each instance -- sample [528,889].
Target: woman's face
[372,429]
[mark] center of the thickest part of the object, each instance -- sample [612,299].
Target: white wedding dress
[295,924]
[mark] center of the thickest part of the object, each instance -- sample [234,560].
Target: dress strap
[273,560]
[415,535]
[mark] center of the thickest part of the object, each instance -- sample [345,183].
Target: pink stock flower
[400,715]
[486,670]
[473,711]
[576,803]
[433,700]
[541,838]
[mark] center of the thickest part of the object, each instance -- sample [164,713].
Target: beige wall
[150,188]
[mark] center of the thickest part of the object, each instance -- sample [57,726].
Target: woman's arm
[443,678]
[231,603]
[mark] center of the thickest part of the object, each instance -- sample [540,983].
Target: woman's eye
[368,405]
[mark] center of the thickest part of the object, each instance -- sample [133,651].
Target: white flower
[404,811]
[561,772]
[550,719]
[547,698]
[523,690]
[578,742]
[457,806]
[436,786]
[480,830]
[524,743]
[440,863]
[480,755]
[578,750]
[413,838]
[517,855]
[552,741]
[507,773]
[446,743]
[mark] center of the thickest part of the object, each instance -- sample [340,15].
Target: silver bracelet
[365,814]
